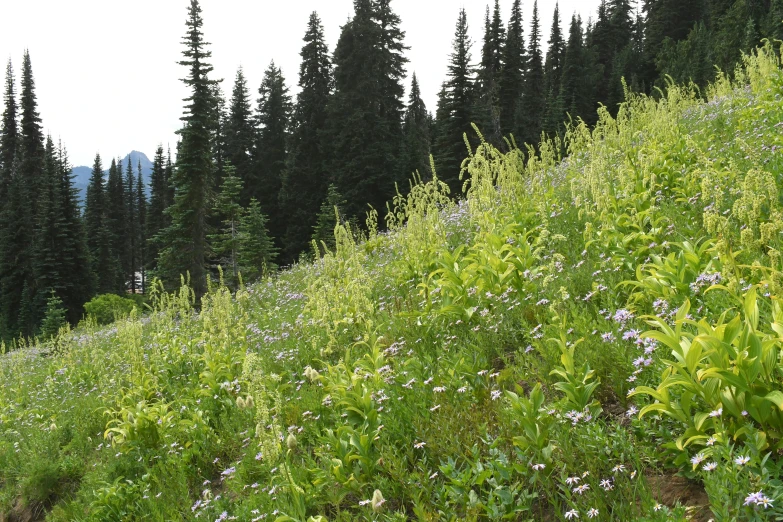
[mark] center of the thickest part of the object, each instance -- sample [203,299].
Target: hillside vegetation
[597,337]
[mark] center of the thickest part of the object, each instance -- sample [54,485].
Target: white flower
[592,513]
[742,460]
[572,514]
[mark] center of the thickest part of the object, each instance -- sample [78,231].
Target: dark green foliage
[184,241]
[9,144]
[365,113]
[117,220]
[9,134]
[332,210]
[416,128]
[579,75]
[97,230]
[305,178]
[257,250]
[274,114]
[553,73]
[132,227]
[141,227]
[225,243]
[54,318]
[61,260]
[689,59]
[512,74]
[456,110]
[530,114]
[240,129]
[488,84]
[17,278]
[107,308]
[156,219]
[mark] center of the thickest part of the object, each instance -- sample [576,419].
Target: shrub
[107,308]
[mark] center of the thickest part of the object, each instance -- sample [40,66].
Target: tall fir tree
[580,75]
[141,228]
[513,73]
[131,229]
[47,258]
[17,277]
[9,147]
[184,247]
[240,129]
[305,179]
[9,134]
[117,220]
[158,201]
[61,261]
[456,109]
[274,114]
[79,284]
[488,84]
[530,115]
[365,112]
[553,72]
[96,224]
[416,128]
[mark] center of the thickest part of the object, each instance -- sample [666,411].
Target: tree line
[252,185]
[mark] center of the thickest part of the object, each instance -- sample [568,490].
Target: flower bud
[290,442]
[377,501]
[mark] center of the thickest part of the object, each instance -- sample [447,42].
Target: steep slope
[558,345]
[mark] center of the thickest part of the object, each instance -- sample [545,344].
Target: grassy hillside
[593,338]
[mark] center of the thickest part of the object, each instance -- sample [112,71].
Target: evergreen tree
[365,113]
[672,19]
[416,128]
[305,179]
[256,253]
[79,282]
[488,97]
[97,231]
[274,113]
[141,227]
[456,109]
[531,109]
[61,260]
[117,221]
[553,72]
[9,135]
[17,278]
[225,243]
[156,219]
[513,72]
[332,211]
[131,229]
[599,41]
[9,146]
[54,317]
[47,258]
[240,129]
[579,76]
[185,240]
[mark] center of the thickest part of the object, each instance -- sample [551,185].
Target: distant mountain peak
[81,174]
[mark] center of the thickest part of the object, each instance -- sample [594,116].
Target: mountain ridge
[81,174]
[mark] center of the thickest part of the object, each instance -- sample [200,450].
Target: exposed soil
[670,489]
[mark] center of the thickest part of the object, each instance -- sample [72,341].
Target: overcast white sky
[106,74]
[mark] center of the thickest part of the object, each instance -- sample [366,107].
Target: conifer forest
[556,295]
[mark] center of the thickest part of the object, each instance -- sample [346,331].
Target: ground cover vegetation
[253,181]
[593,331]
